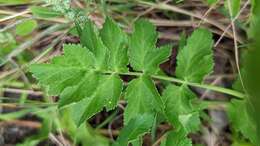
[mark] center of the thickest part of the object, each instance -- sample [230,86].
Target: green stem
[175,80]
[204,86]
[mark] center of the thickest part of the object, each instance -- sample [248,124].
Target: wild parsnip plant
[87,77]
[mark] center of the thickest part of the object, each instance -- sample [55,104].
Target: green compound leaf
[195,60]
[87,78]
[115,40]
[135,128]
[241,121]
[142,97]
[179,109]
[143,54]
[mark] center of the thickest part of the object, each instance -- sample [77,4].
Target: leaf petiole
[175,80]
